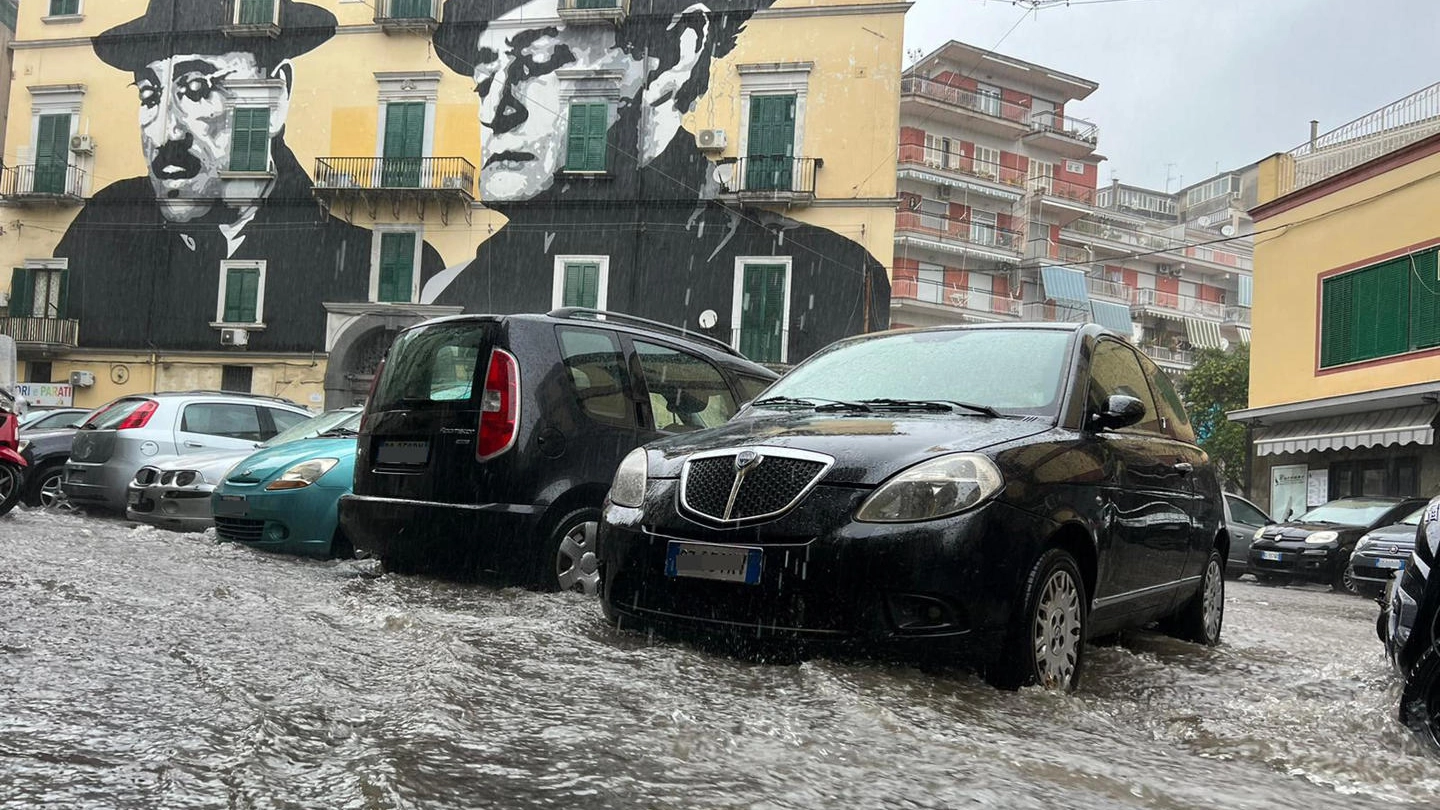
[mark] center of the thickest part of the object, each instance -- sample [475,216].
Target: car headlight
[23,446]
[628,488]
[303,474]
[933,489]
[1364,542]
[185,478]
[1321,537]
[1259,533]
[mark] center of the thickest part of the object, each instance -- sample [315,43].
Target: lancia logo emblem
[745,459]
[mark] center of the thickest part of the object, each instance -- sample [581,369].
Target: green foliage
[1220,382]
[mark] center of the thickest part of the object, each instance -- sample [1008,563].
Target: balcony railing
[967,232]
[1118,233]
[1174,302]
[1237,315]
[1161,354]
[407,15]
[1104,288]
[43,183]
[582,11]
[1074,128]
[1377,133]
[251,18]
[932,158]
[42,333]
[441,176]
[983,103]
[954,295]
[762,177]
[1068,254]
[1063,189]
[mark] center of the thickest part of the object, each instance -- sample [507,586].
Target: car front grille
[239,530]
[768,486]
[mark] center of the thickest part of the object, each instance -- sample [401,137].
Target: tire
[1045,643]
[1420,700]
[42,487]
[569,559]
[12,483]
[1202,617]
[1343,580]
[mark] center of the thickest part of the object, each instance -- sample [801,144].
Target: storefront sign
[1317,490]
[58,395]
[1287,490]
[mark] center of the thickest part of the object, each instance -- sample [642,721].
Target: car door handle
[193,444]
[1183,467]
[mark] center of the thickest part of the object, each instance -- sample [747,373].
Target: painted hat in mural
[171,27]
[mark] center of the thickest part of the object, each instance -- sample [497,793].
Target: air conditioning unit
[82,379]
[234,337]
[710,140]
[82,145]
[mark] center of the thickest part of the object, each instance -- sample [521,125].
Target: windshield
[1347,512]
[310,427]
[431,365]
[1413,519]
[1011,370]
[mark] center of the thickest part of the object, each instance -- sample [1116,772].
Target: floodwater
[145,669]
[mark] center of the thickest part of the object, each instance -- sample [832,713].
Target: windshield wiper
[820,404]
[340,431]
[935,405]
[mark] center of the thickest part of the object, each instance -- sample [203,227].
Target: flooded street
[144,669]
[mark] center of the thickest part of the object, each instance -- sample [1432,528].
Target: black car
[1316,546]
[489,441]
[1381,554]
[45,452]
[992,494]
[1410,626]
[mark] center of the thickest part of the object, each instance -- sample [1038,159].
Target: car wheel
[571,560]
[10,486]
[1420,701]
[43,488]
[1201,618]
[1046,640]
[1344,580]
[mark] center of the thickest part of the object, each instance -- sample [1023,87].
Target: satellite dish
[708,319]
[1228,230]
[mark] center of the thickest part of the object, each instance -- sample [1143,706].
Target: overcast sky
[1201,83]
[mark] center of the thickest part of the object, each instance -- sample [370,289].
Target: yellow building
[1345,359]
[256,194]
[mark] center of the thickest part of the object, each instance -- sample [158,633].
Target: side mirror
[1120,411]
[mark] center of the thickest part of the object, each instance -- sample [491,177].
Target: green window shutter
[404,144]
[250,140]
[582,285]
[762,312]
[242,294]
[1382,293]
[52,153]
[1425,301]
[585,141]
[61,8]
[22,292]
[62,306]
[1335,320]
[397,261]
[256,12]
[771,146]
[409,9]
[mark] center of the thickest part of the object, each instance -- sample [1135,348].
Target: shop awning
[1065,286]
[1112,316]
[1204,334]
[1398,426]
[1243,333]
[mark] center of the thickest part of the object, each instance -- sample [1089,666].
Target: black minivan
[489,441]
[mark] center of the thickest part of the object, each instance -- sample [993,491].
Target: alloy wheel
[577,568]
[1347,580]
[1213,607]
[9,482]
[51,494]
[1057,631]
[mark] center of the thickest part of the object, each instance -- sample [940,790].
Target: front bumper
[1298,559]
[185,509]
[443,538]
[295,521]
[1376,568]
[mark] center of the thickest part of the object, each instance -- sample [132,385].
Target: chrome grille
[717,486]
[239,530]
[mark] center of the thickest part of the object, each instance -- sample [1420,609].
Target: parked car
[1381,554]
[997,494]
[489,441]
[46,452]
[286,497]
[173,492]
[1410,625]
[121,437]
[1316,546]
[52,419]
[1243,520]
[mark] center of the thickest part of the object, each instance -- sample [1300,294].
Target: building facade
[1345,366]
[1002,216]
[257,194]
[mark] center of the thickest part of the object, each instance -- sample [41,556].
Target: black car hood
[868,447]
[1296,530]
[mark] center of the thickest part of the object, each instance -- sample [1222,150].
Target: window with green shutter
[52,153]
[762,313]
[582,285]
[250,140]
[39,292]
[397,267]
[411,9]
[1380,311]
[242,295]
[770,150]
[585,144]
[404,144]
[64,8]
[255,12]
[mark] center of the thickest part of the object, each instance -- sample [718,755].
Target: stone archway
[363,360]
[364,335]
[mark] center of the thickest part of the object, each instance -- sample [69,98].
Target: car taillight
[499,406]
[139,417]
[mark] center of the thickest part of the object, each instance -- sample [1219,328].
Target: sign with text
[1287,490]
[59,395]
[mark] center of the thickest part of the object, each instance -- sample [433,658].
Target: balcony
[1170,359]
[1089,230]
[1113,290]
[936,302]
[1156,302]
[42,334]
[960,171]
[1065,135]
[593,11]
[778,179]
[980,111]
[1237,316]
[407,16]
[252,18]
[450,177]
[914,229]
[43,184]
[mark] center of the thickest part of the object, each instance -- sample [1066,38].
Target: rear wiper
[935,405]
[820,405]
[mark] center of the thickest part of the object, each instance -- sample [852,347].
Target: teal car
[285,498]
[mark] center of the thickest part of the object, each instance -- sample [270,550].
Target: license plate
[1272,556]
[403,452]
[707,561]
[230,505]
[1397,564]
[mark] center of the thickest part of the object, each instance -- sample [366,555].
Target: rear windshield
[113,414]
[432,365]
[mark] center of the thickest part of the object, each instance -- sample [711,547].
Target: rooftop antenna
[1036,5]
[1170,175]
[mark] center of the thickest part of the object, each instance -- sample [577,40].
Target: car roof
[207,394]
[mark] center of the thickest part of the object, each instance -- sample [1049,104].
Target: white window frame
[932,289]
[236,264]
[983,222]
[557,288]
[54,99]
[985,93]
[775,79]
[376,238]
[78,16]
[406,87]
[986,160]
[737,298]
[1075,166]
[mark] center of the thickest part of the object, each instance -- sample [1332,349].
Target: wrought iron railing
[930,157]
[42,331]
[371,173]
[1071,127]
[967,231]
[1175,302]
[402,10]
[56,180]
[984,103]
[774,174]
[954,295]
[1391,127]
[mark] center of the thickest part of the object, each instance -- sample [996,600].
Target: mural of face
[185,127]
[522,111]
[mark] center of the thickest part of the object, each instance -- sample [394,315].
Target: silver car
[130,432]
[174,492]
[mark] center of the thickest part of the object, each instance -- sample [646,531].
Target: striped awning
[1065,286]
[1400,426]
[1112,316]
[1243,333]
[1204,334]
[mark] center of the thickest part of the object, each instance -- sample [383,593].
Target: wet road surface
[145,669]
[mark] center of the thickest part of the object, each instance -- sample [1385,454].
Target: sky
[1189,86]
